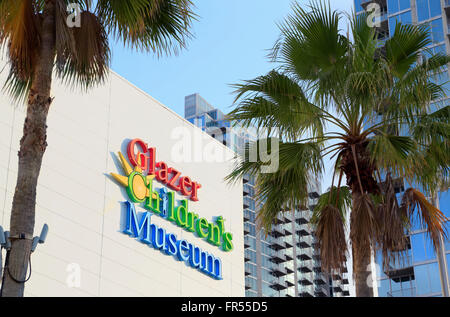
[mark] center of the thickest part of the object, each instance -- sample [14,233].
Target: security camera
[2,237]
[34,244]
[8,242]
[43,235]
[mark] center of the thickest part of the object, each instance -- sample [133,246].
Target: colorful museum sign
[139,184]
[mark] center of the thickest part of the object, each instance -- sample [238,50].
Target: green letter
[202,223]
[181,214]
[227,244]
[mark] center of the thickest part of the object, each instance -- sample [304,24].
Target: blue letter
[194,259]
[171,244]
[158,237]
[141,231]
[183,247]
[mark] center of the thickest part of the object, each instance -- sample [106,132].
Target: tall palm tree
[40,43]
[378,97]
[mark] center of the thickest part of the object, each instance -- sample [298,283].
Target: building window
[395,6]
[422,248]
[384,288]
[404,18]
[427,279]
[251,283]
[250,293]
[358,7]
[427,9]
[436,33]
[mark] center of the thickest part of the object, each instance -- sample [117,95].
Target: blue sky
[230,45]
[232,38]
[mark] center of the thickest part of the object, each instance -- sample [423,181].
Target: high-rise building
[422,271]
[285,263]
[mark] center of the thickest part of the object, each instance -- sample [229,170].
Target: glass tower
[286,262]
[423,271]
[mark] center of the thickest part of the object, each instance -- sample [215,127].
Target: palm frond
[393,222]
[20,25]
[88,64]
[160,26]
[403,48]
[277,101]
[364,226]
[299,165]
[339,197]
[390,152]
[416,206]
[330,234]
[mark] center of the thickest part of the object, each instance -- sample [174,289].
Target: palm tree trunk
[361,271]
[32,148]
[361,250]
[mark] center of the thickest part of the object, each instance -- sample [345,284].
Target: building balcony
[321,291]
[279,270]
[288,241]
[320,279]
[277,231]
[302,217]
[317,264]
[246,242]
[289,254]
[278,284]
[305,279]
[287,229]
[289,265]
[305,242]
[277,244]
[278,256]
[303,230]
[401,267]
[306,266]
[288,292]
[304,253]
[287,218]
[306,291]
[337,288]
[289,280]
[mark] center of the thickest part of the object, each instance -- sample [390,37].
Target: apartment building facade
[286,262]
[422,271]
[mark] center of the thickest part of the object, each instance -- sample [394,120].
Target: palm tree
[40,42]
[378,97]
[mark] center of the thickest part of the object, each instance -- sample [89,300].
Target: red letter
[185,182]
[195,187]
[134,157]
[163,174]
[152,161]
[174,179]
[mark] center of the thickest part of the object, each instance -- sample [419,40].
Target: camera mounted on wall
[5,243]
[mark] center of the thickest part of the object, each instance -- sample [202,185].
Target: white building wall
[82,204]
